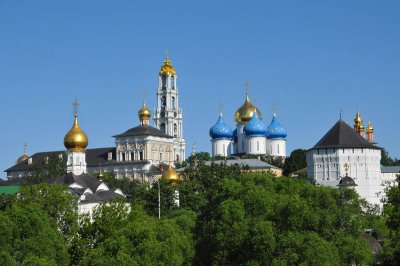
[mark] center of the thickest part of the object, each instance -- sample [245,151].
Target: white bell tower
[168,116]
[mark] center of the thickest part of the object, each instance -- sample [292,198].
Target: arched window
[163,82]
[175,130]
[163,102]
[173,102]
[162,127]
[172,83]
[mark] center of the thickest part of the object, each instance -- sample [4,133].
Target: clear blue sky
[311,58]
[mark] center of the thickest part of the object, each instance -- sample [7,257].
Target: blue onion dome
[221,130]
[275,129]
[255,127]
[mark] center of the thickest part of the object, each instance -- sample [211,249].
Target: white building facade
[343,145]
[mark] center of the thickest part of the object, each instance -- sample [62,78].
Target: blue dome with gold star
[255,127]
[275,129]
[221,130]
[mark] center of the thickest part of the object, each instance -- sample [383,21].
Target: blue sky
[309,58]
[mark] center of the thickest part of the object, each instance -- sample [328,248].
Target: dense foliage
[226,216]
[387,160]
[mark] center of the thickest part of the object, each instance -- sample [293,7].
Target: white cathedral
[251,135]
[141,152]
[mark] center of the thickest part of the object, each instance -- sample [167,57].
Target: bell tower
[168,116]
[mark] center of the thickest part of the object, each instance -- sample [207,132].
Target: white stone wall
[255,145]
[326,167]
[276,147]
[221,147]
[76,162]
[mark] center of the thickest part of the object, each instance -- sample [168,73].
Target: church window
[173,102]
[123,157]
[163,81]
[177,157]
[163,102]
[175,130]
[162,127]
[172,83]
[141,155]
[132,156]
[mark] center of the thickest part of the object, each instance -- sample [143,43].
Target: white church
[251,135]
[141,152]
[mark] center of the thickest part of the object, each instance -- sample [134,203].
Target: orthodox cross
[247,87]
[76,106]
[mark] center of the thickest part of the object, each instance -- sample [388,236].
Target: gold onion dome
[358,120]
[167,68]
[171,175]
[144,113]
[370,129]
[76,139]
[24,156]
[245,112]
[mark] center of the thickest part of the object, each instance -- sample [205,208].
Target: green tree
[296,161]
[391,249]
[52,166]
[118,237]
[386,160]
[28,236]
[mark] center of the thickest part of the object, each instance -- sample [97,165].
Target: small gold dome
[22,158]
[358,120]
[144,112]
[75,139]
[370,129]
[167,68]
[245,112]
[171,175]
[100,176]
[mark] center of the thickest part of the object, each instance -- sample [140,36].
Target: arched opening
[173,102]
[162,127]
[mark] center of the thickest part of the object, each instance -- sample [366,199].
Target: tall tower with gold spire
[76,142]
[168,116]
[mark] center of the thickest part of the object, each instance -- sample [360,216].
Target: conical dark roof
[341,135]
[347,181]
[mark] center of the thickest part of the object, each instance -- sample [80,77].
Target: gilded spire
[76,139]
[167,68]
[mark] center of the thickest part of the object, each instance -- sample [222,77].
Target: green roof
[9,190]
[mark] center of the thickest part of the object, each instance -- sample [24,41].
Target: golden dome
[171,175]
[76,139]
[370,129]
[144,113]
[100,176]
[24,156]
[167,68]
[358,120]
[245,112]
